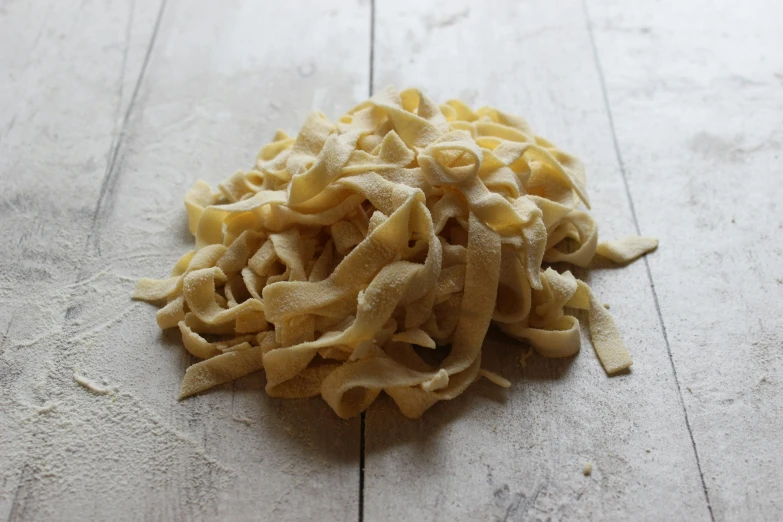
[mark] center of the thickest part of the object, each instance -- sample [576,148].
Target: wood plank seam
[363,422]
[19,502]
[362,431]
[112,169]
[621,166]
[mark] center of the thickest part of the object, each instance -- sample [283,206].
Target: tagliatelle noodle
[626,249]
[402,224]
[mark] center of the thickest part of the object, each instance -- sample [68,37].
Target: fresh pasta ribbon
[626,249]
[349,250]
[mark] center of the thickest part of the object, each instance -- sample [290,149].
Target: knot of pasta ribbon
[454,160]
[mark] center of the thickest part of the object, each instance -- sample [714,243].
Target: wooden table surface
[109,110]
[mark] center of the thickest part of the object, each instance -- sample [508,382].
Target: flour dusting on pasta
[351,249]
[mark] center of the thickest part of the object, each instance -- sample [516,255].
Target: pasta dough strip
[404,224]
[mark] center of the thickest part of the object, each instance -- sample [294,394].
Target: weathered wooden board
[218,81]
[696,94]
[520,455]
[67,74]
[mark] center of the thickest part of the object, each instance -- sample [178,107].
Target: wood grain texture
[218,81]
[226,77]
[696,94]
[520,454]
[68,71]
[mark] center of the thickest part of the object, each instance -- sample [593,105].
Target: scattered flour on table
[66,427]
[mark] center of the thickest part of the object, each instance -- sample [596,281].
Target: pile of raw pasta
[402,227]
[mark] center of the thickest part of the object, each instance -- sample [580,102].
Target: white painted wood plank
[222,79]
[219,81]
[520,455]
[67,71]
[696,91]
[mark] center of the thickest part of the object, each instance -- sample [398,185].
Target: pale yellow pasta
[415,336]
[626,249]
[401,225]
